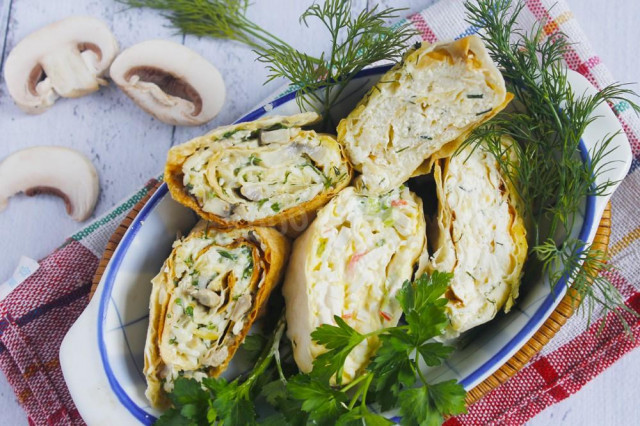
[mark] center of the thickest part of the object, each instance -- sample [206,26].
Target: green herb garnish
[218,401]
[189,311]
[230,133]
[254,160]
[393,379]
[275,207]
[356,41]
[261,202]
[545,165]
[486,111]
[227,255]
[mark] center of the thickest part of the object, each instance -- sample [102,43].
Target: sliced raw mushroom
[50,169]
[65,59]
[170,81]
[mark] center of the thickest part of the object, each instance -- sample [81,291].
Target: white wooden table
[128,146]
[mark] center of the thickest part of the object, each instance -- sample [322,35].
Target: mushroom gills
[167,83]
[170,81]
[64,59]
[55,170]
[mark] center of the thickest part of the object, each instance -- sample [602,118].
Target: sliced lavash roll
[479,235]
[350,262]
[421,107]
[267,172]
[205,299]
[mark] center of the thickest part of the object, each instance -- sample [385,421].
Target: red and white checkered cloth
[36,315]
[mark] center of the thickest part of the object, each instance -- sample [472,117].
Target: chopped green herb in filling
[227,255]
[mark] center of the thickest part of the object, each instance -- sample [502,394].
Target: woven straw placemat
[556,320]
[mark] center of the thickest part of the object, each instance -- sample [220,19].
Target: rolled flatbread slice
[205,299]
[479,235]
[419,108]
[261,173]
[350,262]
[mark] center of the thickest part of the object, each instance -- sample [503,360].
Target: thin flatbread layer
[420,110]
[350,262]
[204,301]
[267,172]
[479,235]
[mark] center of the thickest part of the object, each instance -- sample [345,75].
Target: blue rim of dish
[484,370]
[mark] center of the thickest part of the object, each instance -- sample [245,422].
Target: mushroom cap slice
[50,169]
[170,81]
[65,58]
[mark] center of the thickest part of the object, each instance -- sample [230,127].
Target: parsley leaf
[427,405]
[323,403]
[434,353]
[231,403]
[360,415]
[423,305]
[392,368]
[340,341]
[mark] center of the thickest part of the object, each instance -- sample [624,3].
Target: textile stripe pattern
[36,315]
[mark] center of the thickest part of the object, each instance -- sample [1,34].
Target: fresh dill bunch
[355,42]
[547,119]
[223,19]
[588,269]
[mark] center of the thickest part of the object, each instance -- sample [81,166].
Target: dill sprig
[223,19]
[356,41]
[547,119]
[588,269]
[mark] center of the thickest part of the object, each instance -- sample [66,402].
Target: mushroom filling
[250,175]
[170,84]
[216,280]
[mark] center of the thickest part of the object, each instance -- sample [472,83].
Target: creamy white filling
[362,251]
[249,179]
[414,112]
[481,233]
[210,301]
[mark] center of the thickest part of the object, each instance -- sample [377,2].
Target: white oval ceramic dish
[102,355]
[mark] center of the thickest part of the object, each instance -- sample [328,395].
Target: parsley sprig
[393,379]
[218,401]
